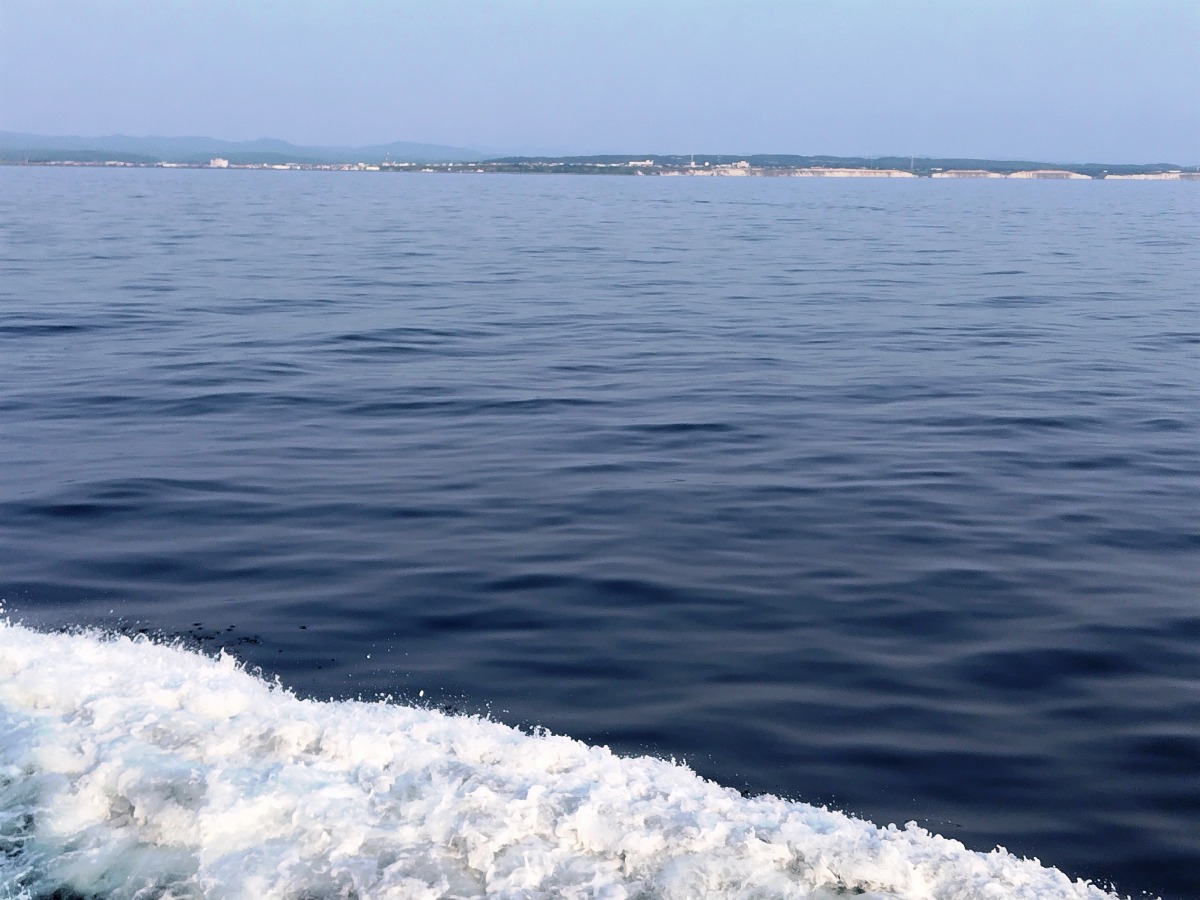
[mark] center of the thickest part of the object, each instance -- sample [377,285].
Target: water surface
[879,495]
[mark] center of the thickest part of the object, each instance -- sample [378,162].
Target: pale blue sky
[1066,80]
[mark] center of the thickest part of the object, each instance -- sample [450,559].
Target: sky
[1057,80]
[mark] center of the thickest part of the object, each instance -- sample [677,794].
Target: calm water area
[884,496]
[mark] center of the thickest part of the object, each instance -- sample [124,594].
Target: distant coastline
[118,151]
[832,169]
[740,168]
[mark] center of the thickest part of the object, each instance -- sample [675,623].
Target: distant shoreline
[573,166]
[116,150]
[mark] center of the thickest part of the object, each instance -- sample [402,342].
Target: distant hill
[45,148]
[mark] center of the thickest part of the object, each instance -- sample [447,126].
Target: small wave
[41,329]
[129,768]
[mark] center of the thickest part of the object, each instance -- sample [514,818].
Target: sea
[369,535]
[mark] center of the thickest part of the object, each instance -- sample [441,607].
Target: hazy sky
[1066,80]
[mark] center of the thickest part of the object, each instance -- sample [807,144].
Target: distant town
[122,151]
[691,167]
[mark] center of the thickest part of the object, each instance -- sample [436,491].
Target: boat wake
[133,769]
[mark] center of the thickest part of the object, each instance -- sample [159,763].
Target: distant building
[966,173]
[217,163]
[1049,174]
[741,167]
[824,172]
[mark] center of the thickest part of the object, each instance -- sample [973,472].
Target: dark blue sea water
[878,495]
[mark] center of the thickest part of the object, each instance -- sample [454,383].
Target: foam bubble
[133,769]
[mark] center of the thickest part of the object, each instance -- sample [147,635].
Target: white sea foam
[132,769]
